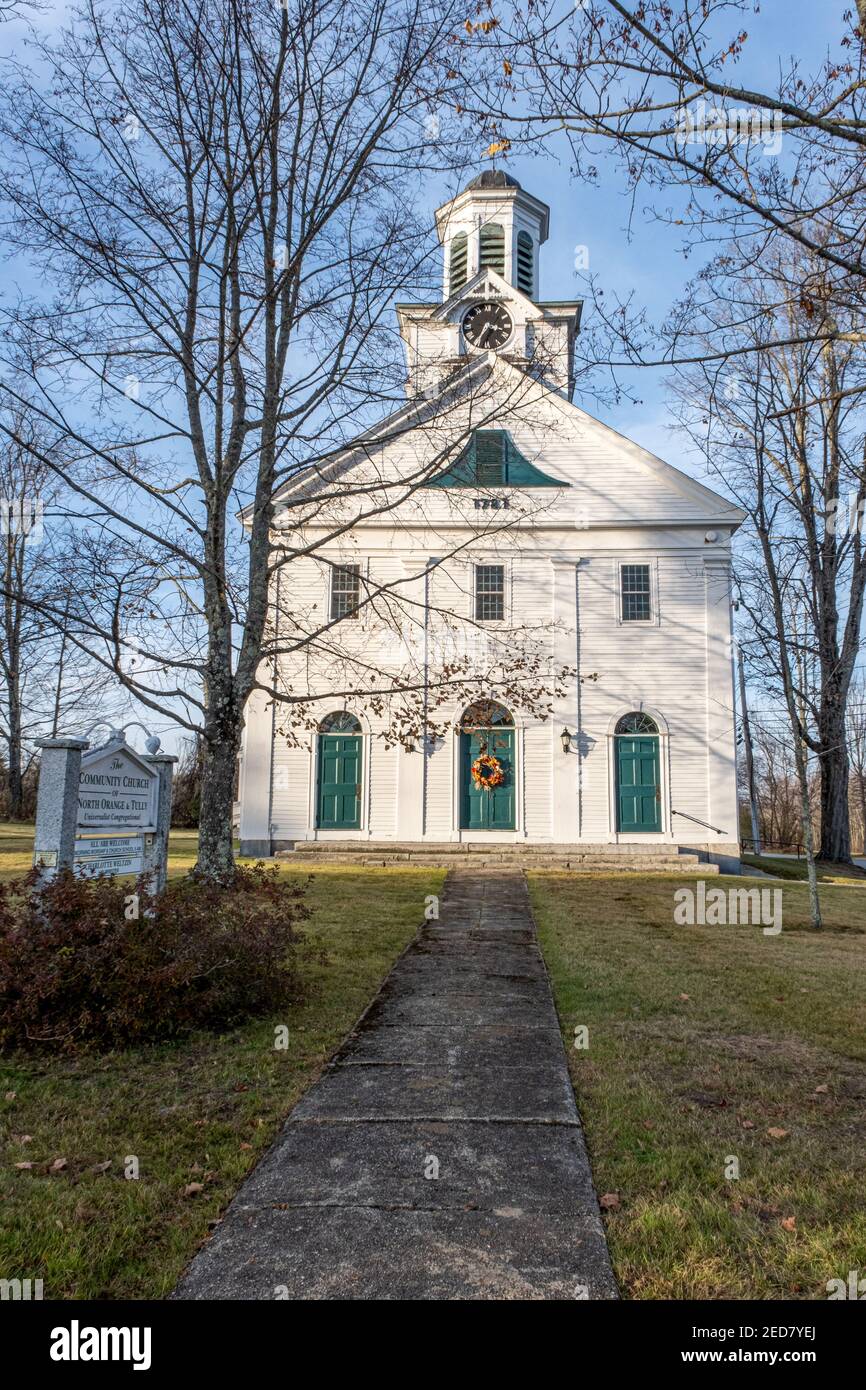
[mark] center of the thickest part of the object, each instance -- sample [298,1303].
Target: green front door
[638,789]
[481,809]
[339,782]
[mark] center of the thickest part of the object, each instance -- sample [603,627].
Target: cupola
[492,224]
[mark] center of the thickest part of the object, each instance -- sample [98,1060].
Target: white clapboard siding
[538,781]
[383,789]
[616,503]
[290,793]
[439,790]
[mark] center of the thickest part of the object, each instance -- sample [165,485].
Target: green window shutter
[489,458]
[457,268]
[524,263]
[491,247]
[492,459]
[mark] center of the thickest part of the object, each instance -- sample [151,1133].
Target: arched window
[457,267]
[636,723]
[491,247]
[525,265]
[485,714]
[340,722]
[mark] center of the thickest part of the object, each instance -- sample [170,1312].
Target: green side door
[339,782]
[493,809]
[638,787]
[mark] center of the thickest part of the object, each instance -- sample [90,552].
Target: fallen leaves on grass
[775,1133]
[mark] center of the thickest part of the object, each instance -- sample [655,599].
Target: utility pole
[747,744]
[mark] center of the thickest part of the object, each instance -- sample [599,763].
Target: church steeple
[493,223]
[490,235]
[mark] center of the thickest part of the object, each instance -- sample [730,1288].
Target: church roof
[492,178]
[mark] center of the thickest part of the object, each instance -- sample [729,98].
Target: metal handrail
[705,823]
[784,845]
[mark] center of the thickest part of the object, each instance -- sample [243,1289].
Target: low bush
[98,963]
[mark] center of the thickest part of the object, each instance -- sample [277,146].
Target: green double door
[339,782]
[481,809]
[638,786]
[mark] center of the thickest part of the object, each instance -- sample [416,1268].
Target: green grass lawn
[795,869]
[199,1112]
[707,1043]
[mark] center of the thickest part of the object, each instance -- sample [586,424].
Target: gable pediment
[486,284]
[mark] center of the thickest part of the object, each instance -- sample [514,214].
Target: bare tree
[44,679]
[856,725]
[655,85]
[219,191]
[782,426]
[219,195]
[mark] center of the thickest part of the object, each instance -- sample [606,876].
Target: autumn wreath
[487,772]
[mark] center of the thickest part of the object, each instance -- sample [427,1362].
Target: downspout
[579,701]
[274,721]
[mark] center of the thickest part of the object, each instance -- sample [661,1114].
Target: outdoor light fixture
[566,741]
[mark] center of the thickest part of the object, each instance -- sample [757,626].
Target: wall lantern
[566,741]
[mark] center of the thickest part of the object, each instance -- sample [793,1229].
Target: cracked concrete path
[458,1068]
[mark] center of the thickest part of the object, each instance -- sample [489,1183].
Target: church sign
[116,790]
[103,810]
[110,854]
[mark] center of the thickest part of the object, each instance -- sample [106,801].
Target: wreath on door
[487,772]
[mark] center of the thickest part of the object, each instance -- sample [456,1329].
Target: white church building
[537,610]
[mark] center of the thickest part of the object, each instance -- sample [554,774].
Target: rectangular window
[489,593]
[345,591]
[635,593]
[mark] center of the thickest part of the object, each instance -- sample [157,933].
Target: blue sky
[648,260]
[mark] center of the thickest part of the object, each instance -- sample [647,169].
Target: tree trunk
[835,817]
[808,837]
[14,779]
[216,859]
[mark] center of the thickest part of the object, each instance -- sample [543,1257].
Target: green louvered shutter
[457,268]
[524,262]
[490,458]
[492,247]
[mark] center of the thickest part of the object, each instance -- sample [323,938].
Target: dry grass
[202,1111]
[703,1040]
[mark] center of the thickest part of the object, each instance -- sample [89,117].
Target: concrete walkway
[457,1068]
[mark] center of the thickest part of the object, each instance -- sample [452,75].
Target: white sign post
[104,810]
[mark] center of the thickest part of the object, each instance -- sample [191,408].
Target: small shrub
[74,972]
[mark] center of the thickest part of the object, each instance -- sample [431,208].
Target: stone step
[456,847]
[640,864]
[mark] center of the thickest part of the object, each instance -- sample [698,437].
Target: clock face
[487,326]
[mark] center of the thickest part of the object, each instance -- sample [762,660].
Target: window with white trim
[635,594]
[345,591]
[489,593]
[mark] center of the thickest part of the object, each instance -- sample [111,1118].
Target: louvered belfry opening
[490,458]
[524,263]
[491,247]
[457,268]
